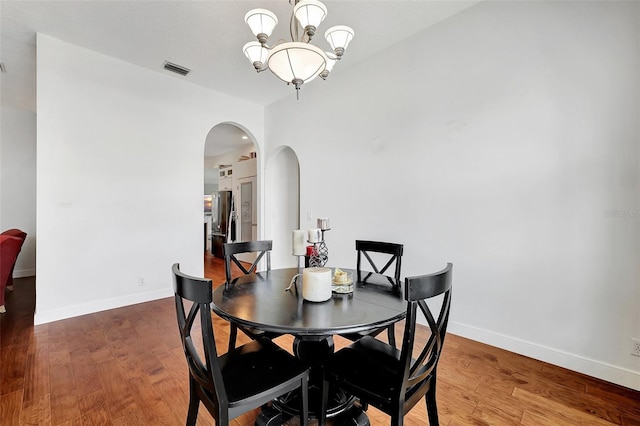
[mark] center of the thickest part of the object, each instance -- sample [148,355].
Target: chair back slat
[426,361]
[364,249]
[230,250]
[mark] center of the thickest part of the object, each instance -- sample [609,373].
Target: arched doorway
[230,187]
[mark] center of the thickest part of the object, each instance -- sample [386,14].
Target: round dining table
[270,301]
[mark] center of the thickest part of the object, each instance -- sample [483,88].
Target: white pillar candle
[316,284]
[314,235]
[298,243]
[323,223]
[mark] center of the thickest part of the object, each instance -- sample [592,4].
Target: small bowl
[343,287]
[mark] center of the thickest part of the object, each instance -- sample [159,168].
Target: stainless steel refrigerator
[222,221]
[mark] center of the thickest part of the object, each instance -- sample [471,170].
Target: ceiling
[204,36]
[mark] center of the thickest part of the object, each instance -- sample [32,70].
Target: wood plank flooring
[126,367]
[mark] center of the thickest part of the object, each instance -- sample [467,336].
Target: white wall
[18,182]
[504,140]
[282,202]
[120,178]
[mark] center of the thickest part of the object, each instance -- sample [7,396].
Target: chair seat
[256,368]
[376,374]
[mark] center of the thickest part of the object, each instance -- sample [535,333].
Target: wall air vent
[178,69]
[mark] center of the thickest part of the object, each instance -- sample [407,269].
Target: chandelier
[296,61]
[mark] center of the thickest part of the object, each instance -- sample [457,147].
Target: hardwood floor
[126,367]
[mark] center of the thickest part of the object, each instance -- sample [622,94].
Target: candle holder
[314,259]
[323,250]
[320,254]
[300,262]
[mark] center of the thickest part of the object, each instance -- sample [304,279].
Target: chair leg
[432,408]
[233,334]
[304,388]
[194,403]
[325,400]
[392,335]
[397,419]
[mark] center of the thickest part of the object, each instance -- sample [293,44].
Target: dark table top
[260,301]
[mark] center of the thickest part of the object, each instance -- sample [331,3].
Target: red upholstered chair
[15,233]
[9,249]
[18,234]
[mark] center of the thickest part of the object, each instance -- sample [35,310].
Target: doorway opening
[230,189]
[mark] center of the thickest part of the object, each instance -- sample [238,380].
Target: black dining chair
[390,379]
[261,249]
[378,253]
[240,380]
[231,250]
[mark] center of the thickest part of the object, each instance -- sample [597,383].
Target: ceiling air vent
[178,69]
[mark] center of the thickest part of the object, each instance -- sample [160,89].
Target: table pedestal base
[270,416]
[340,406]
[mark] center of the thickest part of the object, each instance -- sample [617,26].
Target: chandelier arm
[333,56]
[277,43]
[292,26]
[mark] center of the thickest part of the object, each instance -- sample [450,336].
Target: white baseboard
[97,306]
[24,273]
[610,373]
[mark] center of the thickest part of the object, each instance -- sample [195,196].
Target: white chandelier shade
[296,63]
[330,63]
[256,53]
[339,38]
[261,21]
[310,13]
